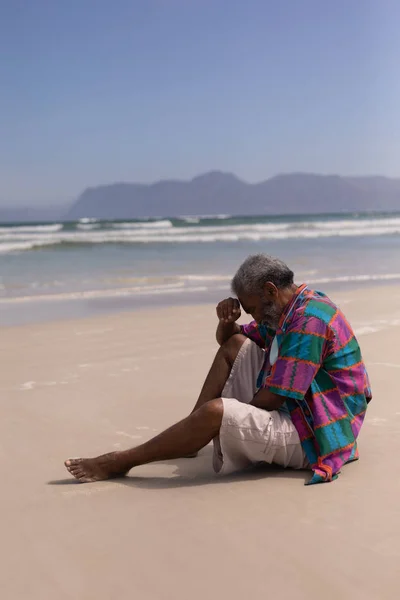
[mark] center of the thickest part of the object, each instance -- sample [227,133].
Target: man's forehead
[248,301]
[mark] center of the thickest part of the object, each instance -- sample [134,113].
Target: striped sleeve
[259,334]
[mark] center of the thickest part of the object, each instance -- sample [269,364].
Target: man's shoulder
[319,306]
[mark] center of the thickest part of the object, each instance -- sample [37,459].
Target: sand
[174,530]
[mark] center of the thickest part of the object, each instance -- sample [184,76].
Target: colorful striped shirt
[313,359]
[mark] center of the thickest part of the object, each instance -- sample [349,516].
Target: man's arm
[225,331]
[267,400]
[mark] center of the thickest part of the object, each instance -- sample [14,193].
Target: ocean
[56,270]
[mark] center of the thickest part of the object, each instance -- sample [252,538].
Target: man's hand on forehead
[228,310]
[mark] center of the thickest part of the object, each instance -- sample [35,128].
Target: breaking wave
[221,228]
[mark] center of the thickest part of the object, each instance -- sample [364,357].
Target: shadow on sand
[192,472]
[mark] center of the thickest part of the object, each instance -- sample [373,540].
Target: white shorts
[251,435]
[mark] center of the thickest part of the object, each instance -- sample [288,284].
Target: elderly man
[289,388]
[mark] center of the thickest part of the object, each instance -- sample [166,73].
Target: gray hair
[256,270]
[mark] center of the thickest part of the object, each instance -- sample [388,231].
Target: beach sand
[174,530]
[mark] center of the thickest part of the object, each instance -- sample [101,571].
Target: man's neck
[287,294]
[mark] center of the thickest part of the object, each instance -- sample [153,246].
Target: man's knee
[231,347]
[212,410]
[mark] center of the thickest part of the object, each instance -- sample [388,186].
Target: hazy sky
[97,91]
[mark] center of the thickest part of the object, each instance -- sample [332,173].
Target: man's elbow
[267,400]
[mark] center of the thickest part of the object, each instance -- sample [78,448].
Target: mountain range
[224,193]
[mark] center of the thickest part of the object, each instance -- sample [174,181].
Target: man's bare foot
[102,467]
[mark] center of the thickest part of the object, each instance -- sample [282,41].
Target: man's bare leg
[218,374]
[118,463]
[186,437]
[220,370]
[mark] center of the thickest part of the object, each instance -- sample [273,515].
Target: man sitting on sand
[289,388]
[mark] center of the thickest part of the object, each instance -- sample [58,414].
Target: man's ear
[270,290]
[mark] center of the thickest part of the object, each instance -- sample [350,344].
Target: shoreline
[370,311]
[21,312]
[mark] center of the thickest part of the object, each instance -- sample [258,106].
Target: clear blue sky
[97,91]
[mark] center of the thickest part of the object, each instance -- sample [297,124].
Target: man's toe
[70,462]
[77,471]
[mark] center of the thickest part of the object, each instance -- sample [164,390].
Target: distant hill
[216,193]
[224,193]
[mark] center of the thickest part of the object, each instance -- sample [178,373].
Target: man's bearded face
[270,313]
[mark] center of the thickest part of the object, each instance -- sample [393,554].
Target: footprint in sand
[129,435]
[377,421]
[29,385]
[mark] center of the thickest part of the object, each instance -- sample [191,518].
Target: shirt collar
[290,306]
